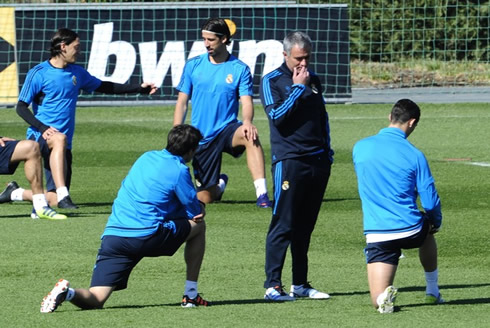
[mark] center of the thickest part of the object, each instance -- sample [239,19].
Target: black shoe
[67,203]
[5,195]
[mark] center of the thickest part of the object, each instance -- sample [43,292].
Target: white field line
[484,164]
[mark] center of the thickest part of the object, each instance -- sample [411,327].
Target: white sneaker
[55,297]
[386,299]
[277,294]
[306,290]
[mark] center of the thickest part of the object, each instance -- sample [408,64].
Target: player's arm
[186,193]
[118,88]
[247,118]
[432,205]
[181,108]
[26,114]
[429,197]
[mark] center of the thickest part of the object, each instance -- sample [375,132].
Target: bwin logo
[155,69]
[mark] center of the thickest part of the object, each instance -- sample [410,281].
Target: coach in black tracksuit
[301,160]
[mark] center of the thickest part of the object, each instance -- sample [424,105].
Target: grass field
[35,253]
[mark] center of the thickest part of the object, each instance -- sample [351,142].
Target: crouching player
[155,212]
[12,152]
[389,183]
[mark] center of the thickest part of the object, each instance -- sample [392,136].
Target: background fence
[390,44]
[151,42]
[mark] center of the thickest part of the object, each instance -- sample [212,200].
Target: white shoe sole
[317,296]
[386,300]
[51,302]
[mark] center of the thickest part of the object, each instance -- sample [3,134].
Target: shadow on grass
[70,213]
[398,308]
[467,301]
[95,204]
[350,293]
[213,303]
[328,200]
[16,216]
[459,286]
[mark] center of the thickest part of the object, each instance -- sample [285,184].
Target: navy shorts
[207,159]
[119,255]
[6,167]
[45,153]
[390,251]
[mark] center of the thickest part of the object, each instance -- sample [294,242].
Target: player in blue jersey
[155,212]
[52,88]
[216,82]
[12,152]
[391,174]
[301,161]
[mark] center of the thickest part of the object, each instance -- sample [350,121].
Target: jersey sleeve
[186,193]
[246,83]
[185,84]
[89,82]
[32,86]
[429,198]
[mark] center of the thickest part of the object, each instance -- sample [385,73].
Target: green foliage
[390,31]
[35,253]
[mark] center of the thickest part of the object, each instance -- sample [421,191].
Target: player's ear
[412,123]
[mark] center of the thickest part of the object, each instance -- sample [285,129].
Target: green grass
[35,253]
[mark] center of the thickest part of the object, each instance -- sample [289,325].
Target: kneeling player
[155,212]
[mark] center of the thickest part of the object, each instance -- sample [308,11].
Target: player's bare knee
[57,140]
[35,150]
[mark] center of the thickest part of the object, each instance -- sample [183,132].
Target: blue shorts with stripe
[390,251]
[6,167]
[119,255]
[207,159]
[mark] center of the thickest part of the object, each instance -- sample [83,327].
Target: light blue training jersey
[391,172]
[215,90]
[157,188]
[58,90]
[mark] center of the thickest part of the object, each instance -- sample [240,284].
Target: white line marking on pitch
[478,164]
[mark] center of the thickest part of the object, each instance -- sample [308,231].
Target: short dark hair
[297,38]
[404,110]
[183,138]
[219,27]
[63,35]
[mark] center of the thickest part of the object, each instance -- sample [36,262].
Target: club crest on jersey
[229,79]
[74,80]
[285,185]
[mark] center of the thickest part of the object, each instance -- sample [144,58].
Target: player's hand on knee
[48,133]
[249,131]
